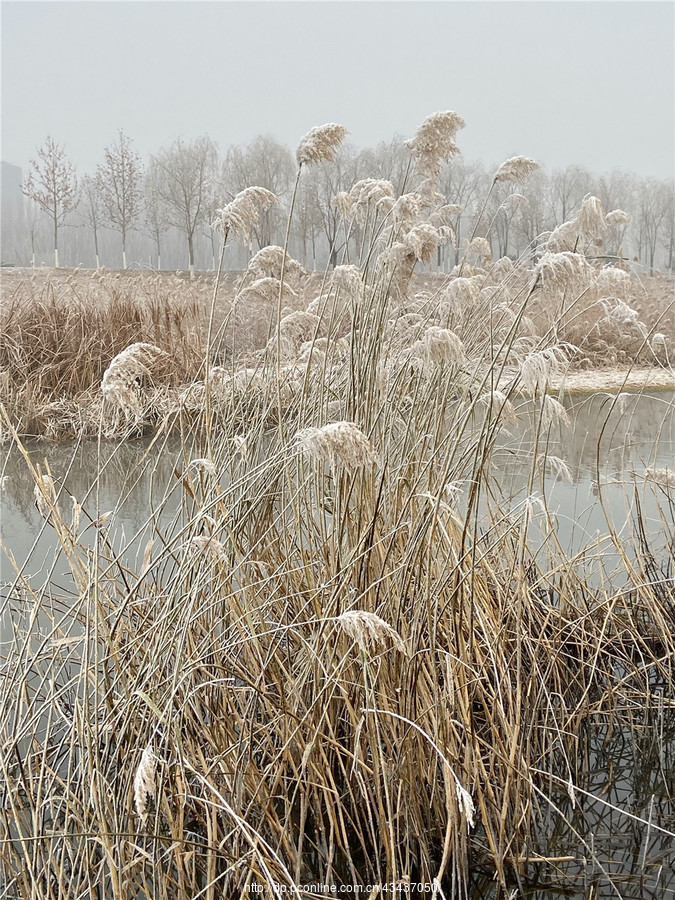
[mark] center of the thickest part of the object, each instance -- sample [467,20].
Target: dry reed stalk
[286,759]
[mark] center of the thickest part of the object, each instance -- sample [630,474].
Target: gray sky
[563,82]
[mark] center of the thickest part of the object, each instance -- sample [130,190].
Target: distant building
[11,210]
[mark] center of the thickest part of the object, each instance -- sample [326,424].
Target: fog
[588,83]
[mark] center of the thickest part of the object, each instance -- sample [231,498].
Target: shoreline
[614,379]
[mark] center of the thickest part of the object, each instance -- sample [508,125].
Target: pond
[608,840]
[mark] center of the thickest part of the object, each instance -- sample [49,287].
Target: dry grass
[346,663]
[62,329]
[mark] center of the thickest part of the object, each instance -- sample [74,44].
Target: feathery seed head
[44,493]
[342,203]
[320,142]
[242,214]
[590,219]
[500,405]
[538,367]
[347,278]
[406,210]
[434,142]
[144,782]
[369,631]
[123,378]
[559,271]
[481,246]
[564,238]
[617,218]
[613,282]
[267,263]
[619,314]
[664,478]
[204,465]
[445,215]
[266,290]
[340,443]
[516,169]
[76,513]
[294,329]
[461,292]
[553,412]
[422,240]
[208,547]
[370,194]
[559,466]
[443,345]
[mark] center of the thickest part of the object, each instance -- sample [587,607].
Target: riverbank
[62,329]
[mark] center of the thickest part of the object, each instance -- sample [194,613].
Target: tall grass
[346,661]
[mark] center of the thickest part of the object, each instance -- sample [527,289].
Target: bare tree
[182,176]
[668,233]
[119,181]
[51,183]
[156,215]
[391,161]
[463,184]
[93,209]
[655,207]
[568,188]
[269,164]
[322,183]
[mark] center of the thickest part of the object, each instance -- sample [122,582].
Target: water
[624,788]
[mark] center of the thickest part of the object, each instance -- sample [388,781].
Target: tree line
[160,212]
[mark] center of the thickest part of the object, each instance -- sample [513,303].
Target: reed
[346,661]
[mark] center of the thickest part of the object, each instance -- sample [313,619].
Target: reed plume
[144,782]
[516,170]
[320,143]
[434,142]
[339,443]
[242,214]
[369,631]
[123,379]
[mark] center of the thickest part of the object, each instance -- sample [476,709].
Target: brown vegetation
[347,660]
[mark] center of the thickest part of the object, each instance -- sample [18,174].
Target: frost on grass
[208,548]
[368,196]
[617,218]
[499,405]
[340,443]
[480,246]
[562,271]
[204,466]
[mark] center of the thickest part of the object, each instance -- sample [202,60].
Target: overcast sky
[563,82]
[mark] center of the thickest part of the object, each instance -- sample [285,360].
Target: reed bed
[346,664]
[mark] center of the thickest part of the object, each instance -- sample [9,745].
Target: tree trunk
[191,255]
[56,243]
